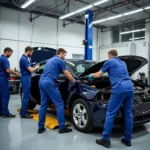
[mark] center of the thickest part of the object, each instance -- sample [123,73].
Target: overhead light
[147,8]
[120,15]
[132,31]
[83,9]
[26,4]
[99,2]
[132,12]
[67,15]
[114,17]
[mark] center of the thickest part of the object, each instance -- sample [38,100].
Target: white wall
[17,32]
[139,48]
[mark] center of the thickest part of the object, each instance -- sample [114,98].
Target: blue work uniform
[122,93]
[4,86]
[50,91]
[26,83]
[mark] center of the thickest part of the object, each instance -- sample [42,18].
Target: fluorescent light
[132,31]
[99,2]
[132,12]
[27,3]
[67,15]
[114,17]
[120,15]
[99,21]
[147,8]
[84,8]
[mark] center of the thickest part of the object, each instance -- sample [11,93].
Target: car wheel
[31,104]
[81,116]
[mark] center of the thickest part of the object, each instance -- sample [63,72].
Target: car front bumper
[141,114]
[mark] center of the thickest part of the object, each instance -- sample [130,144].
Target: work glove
[91,78]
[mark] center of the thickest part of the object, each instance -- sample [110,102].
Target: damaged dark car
[86,103]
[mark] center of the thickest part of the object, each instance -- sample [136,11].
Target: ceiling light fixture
[83,9]
[132,31]
[121,15]
[26,4]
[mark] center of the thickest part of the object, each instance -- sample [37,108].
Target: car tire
[83,122]
[31,104]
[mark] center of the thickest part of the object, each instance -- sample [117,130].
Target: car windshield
[78,67]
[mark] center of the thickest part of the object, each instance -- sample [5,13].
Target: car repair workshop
[74,74]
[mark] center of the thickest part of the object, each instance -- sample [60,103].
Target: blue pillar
[88,35]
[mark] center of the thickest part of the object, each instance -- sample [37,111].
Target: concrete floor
[21,134]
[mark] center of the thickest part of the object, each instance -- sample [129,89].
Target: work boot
[105,143]
[127,143]
[9,116]
[65,130]
[41,130]
[26,117]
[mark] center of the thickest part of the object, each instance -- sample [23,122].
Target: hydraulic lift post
[88,35]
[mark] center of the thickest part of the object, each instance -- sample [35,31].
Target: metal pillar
[88,35]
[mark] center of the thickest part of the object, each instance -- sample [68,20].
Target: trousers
[116,100]
[26,85]
[4,95]
[49,91]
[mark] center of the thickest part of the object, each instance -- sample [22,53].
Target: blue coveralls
[26,83]
[122,93]
[49,90]
[4,86]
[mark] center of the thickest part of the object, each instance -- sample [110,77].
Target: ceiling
[56,8]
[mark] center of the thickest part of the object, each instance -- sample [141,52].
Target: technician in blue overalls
[49,90]
[26,70]
[5,72]
[122,93]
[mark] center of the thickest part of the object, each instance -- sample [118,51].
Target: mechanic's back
[118,74]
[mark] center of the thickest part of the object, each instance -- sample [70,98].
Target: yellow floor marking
[50,123]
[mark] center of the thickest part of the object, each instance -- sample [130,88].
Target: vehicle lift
[88,42]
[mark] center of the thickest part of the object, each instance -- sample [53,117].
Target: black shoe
[26,117]
[9,116]
[41,130]
[65,130]
[104,143]
[1,115]
[127,143]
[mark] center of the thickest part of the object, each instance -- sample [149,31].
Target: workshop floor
[21,134]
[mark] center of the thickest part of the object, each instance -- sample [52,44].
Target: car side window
[41,69]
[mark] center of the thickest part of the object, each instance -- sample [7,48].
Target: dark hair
[7,49]
[28,49]
[113,52]
[61,50]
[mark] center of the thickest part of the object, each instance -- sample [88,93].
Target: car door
[63,86]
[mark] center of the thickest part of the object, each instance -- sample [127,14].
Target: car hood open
[41,54]
[134,63]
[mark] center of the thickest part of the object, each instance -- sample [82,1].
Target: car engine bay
[141,92]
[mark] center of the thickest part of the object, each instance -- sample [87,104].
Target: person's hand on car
[37,67]
[91,78]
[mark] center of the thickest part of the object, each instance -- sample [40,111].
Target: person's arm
[7,67]
[33,69]
[97,74]
[101,72]
[10,71]
[65,71]
[69,76]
